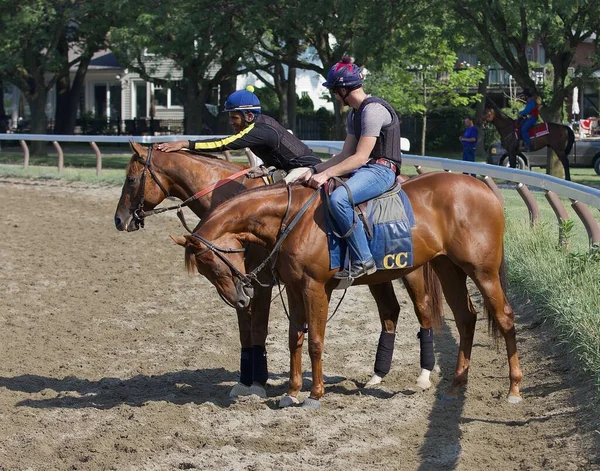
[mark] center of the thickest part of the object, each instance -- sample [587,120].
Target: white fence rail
[581,196]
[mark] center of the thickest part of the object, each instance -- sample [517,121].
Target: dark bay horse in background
[560,138]
[184,174]
[459,229]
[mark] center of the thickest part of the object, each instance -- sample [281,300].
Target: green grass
[562,284]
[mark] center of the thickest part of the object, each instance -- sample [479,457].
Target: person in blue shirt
[469,140]
[530,114]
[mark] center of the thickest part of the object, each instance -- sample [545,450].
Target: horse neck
[502,122]
[256,216]
[190,174]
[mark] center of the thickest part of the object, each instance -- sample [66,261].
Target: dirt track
[113,358]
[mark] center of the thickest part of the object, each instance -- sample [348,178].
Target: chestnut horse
[560,138]
[182,175]
[459,229]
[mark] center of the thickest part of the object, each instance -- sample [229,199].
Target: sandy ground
[114,358]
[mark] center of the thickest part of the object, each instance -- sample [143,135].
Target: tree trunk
[482,90]
[227,87]
[67,99]
[424,133]
[3,115]
[196,95]
[339,130]
[292,100]
[39,122]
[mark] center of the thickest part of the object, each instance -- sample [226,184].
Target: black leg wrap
[259,363]
[246,366]
[385,351]
[427,357]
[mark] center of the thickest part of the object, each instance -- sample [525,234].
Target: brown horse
[560,138]
[459,229]
[183,174]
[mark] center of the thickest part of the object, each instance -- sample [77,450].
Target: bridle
[248,279]
[139,214]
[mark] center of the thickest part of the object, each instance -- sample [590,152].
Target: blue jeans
[468,155]
[366,182]
[525,127]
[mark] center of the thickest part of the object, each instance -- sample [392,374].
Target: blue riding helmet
[344,74]
[243,100]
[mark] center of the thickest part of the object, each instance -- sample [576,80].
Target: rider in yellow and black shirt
[265,137]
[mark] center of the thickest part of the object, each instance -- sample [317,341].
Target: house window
[167,97]
[161,97]
[541,54]
[529,54]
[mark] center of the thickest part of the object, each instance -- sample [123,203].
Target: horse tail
[190,260]
[433,287]
[570,141]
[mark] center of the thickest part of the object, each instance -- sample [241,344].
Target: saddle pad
[389,219]
[539,130]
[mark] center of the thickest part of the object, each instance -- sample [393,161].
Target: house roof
[101,60]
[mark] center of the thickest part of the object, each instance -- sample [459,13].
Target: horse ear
[139,149]
[179,240]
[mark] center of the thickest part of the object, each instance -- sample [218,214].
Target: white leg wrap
[375,380]
[423,379]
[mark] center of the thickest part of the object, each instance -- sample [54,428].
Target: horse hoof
[374,381]
[287,401]
[239,389]
[514,399]
[310,403]
[257,390]
[423,379]
[423,383]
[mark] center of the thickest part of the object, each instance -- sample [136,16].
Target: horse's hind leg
[423,288]
[389,309]
[454,285]
[564,160]
[489,283]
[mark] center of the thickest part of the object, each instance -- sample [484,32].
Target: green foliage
[305,103]
[268,100]
[565,287]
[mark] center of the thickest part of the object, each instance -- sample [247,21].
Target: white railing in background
[579,195]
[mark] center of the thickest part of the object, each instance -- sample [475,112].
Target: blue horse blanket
[388,222]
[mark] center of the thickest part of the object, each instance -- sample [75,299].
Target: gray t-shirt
[375,116]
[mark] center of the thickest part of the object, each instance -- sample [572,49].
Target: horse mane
[198,156]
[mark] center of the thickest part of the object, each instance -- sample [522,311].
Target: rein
[284,231]
[139,214]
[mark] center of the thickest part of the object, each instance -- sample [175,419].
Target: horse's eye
[131,179]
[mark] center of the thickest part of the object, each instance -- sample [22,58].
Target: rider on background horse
[265,137]
[371,156]
[530,113]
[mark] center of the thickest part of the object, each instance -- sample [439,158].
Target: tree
[428,75]
[35,37]
[203,40]
[505,29]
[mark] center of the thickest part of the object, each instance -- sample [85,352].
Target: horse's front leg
[259,319]
[242,387]
[295,340]
[316,304]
